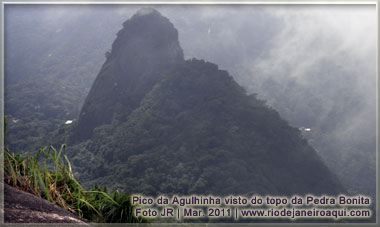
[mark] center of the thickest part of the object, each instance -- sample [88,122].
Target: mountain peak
[145,46]
[167,125]
[146,11]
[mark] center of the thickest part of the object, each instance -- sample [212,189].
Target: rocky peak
[145,46]
[147,34]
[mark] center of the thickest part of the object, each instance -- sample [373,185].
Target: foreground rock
[22,207]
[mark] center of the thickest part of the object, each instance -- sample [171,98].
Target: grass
[48,175]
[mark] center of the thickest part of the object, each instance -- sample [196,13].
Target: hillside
[195,131]
[164,125]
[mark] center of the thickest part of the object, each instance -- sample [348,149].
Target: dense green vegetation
[193,132]
[46,79]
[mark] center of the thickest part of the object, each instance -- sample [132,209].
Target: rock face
[186,127]
[22,207]
[147,45]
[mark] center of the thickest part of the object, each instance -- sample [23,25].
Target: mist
[314,64]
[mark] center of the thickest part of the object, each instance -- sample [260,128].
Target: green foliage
[52,178]
[49,72]
[197,131]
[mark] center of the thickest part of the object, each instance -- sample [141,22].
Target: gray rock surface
[23,207]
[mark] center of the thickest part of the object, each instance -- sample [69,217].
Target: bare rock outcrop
[23,207]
